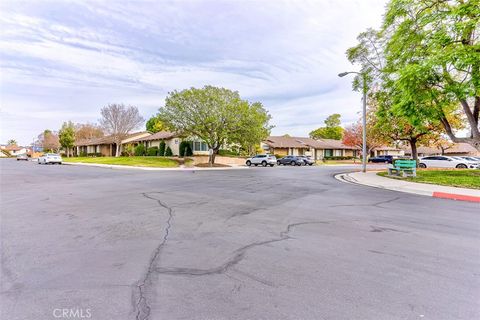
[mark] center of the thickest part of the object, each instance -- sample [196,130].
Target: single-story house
[15,150]
[173,141]
[387,151]
[105,145]
[317,149]
[456,149]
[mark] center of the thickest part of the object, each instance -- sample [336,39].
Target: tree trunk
[117,152]
[413,145]
[211,157]
[474,142]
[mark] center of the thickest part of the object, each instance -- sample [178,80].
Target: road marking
[454,196]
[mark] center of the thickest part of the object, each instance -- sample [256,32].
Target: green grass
[127,161]
[453,178]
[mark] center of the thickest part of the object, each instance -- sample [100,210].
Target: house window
[200,146]
[328,152]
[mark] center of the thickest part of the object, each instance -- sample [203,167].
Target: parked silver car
[48,158]
[22,156]
[263,159]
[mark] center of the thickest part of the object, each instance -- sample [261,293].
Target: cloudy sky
[64,60]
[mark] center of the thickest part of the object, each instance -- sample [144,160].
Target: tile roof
[104,140]
[455,148]
[162,135]
[303,142]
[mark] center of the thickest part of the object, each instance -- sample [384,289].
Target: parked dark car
[291,160]
[381,159]
[307,160]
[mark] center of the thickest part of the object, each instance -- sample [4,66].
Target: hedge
[223,152]
[161,149]
[168,152]
[152,151]
[140,150]
[338,158]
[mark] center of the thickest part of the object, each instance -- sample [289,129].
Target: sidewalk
[373,180]
[180,168]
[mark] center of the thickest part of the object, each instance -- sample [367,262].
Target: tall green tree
[66,136]
[155,124]
[332,129]
[218,116]
[399,115]
[433,56]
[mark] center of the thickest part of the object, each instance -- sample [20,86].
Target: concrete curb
[116,166]
[371,179]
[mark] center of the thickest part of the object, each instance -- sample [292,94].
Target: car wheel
[422,165]
[249,163]
[461,166]
[292,163]
[256,164]
[264,163]
[310,164]
[271,165]
[278,163]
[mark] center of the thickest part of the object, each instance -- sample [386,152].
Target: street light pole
[364,131]
[364,117]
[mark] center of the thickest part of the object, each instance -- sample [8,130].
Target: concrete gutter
[432,190]
[180,168]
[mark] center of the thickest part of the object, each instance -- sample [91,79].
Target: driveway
[261,243]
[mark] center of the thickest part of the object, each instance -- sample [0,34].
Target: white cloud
[65,60]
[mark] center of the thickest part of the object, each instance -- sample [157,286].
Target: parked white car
[447,162]
[48,158]
[263,159]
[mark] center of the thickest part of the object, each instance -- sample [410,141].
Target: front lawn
[453,178]
[127,161]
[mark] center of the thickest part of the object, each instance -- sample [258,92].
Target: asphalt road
[260,243]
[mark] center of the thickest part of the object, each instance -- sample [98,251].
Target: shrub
[338,158]
[94,154]
[182,148]
[140,150]
[188,150]
[223,152]
[82,154]
[168,152]
[128,150]
[161,149]
[152,151]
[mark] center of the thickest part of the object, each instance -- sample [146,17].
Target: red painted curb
[454,196]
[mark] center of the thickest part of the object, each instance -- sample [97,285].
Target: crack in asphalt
[237,256]
[375,204]
[142,308]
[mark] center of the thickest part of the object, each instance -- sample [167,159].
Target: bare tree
[85,131]
[49,141]
[119,120]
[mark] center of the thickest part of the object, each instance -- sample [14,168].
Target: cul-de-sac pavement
[258,243]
